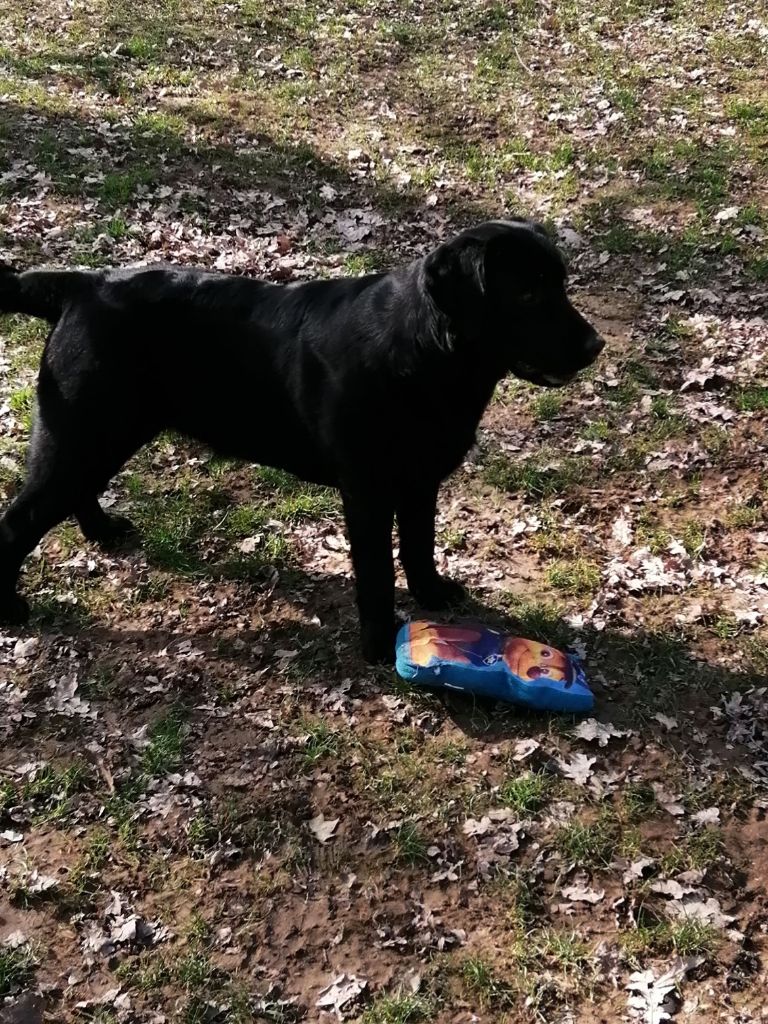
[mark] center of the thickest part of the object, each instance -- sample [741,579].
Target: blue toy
[484,662]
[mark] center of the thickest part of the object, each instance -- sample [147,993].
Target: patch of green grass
[296,499]
[164,752]
[752,399]
[656,538]
[698,851]
[621,239]
[171,525]
[150,973]
[26,338]
[194,970]
[320,504]
[245,520]
[716,441]
[52,788]
[547,405]
[596,844]
[160,125]
[694,538]
[22,403]
[454,539]
[668,423]
[450,752]
[520,896]
[691,937]
[528,793]
[483,984]
[118,187]
[638,801]
[535,479]
[368,261]
[117,228]
[538,620]
[322,742]
[82,883]
[565,950]
[757,267]
[576,577]
[599,430]
[751,114]
[202,832]
[686,937]
[8,796]
[410,845]
[16,968]
[743,515]
[138,47]
[399,1009]
[587,845]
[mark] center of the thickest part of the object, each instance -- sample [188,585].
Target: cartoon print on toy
[458,644]
[530,660]
[488,663]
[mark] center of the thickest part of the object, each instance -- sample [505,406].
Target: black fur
[374,385]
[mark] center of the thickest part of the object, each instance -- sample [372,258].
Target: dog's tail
[43,293]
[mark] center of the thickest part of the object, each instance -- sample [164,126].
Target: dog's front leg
[416,523]
[369,524]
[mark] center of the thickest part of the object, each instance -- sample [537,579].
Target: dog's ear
[455,272]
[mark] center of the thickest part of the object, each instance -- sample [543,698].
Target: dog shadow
[303,636]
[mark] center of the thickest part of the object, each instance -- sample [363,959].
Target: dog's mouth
[544,380]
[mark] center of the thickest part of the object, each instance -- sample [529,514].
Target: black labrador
[374,385]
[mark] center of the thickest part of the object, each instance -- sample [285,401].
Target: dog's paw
[378,643]
[14,610]
[117,532]
[439,593]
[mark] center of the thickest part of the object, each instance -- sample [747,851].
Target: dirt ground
[210,808]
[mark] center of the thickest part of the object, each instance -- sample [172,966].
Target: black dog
[374,385]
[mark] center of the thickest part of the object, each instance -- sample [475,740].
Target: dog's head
[501,287]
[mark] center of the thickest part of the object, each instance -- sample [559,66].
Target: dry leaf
[592,731]
[578,768]
[323,828]
[579,893]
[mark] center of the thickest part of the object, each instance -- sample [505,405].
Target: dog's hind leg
[45,499]
[64,474]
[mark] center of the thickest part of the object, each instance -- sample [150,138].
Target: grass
[484,985]
[49,791]
[399,1009]
[547,406]
[698,851]
[164,751]
[566,950]
[751,399]
[171,525]
[409,844]
[639,801]
[538,620]
[596,844]
[321,742]
[528,793]
[22,404]
[687,937]
[574,578]
[535,479]
[16,968]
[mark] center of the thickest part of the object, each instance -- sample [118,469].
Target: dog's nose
[594,346]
